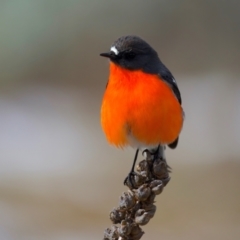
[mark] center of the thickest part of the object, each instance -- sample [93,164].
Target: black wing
[167,76]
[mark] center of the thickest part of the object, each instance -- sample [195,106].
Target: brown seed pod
[139,179]
[151,209]
[143,168]
[125,228]
[160,169]
[127,200]
[142,193]
[150,199]
[136,233]
[156,186]
[111,233]
[116,215]
[141,217]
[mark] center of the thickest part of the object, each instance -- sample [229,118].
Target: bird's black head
[133,53]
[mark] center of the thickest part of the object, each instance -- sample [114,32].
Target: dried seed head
[151,209]
[143,169]
[165,181]
[143,166]
[136,206]
[139,179]
[116,215]
[136,233]
[150,199]
[125,228]
[143,216]
[111,233]
[127,200]
[160,169]
[142,193]
[157,186]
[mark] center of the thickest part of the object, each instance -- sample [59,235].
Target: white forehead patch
[113,49]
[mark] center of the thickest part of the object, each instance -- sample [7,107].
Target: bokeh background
[59,178]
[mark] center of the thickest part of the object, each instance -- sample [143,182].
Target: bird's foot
[147,154]
[129,180]
[152,154]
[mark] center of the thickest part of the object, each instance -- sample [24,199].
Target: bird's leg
[155,153]
[161,152]
[131,173]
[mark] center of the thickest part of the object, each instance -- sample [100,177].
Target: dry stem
[136,206]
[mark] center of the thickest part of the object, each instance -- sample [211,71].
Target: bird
[142,105]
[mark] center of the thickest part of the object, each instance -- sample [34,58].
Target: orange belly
[139,106]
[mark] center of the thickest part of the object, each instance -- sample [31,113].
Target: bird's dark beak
[107,54]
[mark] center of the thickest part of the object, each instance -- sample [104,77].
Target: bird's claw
[129,180]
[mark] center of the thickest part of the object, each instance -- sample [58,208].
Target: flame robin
[141,105]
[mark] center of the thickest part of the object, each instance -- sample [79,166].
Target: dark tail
[173,144]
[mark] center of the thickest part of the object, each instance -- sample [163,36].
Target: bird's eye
[129,55]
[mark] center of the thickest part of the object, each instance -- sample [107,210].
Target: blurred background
[59,178]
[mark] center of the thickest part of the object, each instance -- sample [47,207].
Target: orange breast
[139,105]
